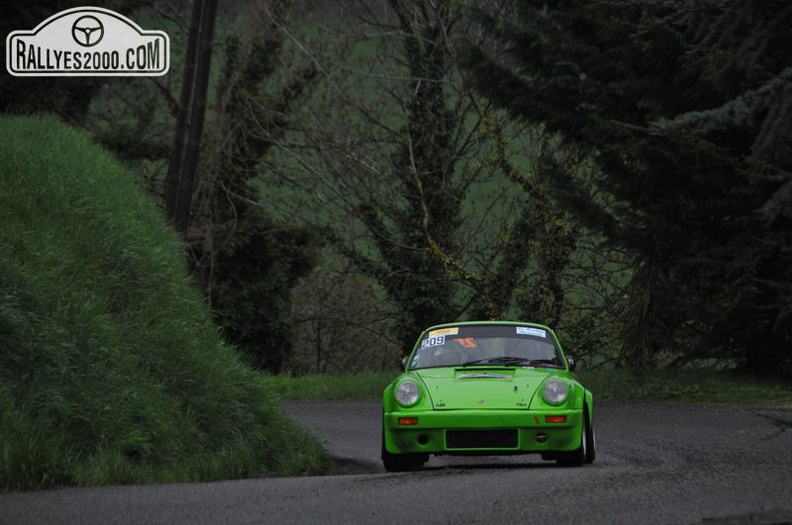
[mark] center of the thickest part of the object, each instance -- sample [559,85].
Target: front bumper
[496,432]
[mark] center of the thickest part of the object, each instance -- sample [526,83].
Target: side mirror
[403,363]
[572,363]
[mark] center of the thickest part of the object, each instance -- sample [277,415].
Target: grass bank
[683,386]
[688,386]
[110,368]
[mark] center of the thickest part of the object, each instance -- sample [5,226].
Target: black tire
[591,441]
[579,456]
[401,462]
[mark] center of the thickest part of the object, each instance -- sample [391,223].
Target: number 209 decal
[433,341]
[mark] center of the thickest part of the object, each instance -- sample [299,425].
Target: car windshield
[486,345]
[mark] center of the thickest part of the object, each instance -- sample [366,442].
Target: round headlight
[554,391]
[407,393]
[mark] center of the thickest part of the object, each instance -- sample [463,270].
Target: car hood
[482,387]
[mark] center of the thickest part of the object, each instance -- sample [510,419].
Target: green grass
[110,368]
[683,386]
[688,386]
[337,387]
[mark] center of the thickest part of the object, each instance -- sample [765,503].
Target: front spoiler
[535,434]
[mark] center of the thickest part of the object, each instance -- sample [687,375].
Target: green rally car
[487,388]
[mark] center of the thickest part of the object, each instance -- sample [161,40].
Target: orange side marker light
[408,421]
[555,419]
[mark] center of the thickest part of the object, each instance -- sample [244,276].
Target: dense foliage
[418,178]
[619,170]
[685,110]
[136,119]
[246,261]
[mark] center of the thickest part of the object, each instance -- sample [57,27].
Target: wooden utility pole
[180,180]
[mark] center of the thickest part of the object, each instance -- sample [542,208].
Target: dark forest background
[618,170]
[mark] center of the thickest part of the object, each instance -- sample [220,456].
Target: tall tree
[684,107]
[408,264]
[410,171]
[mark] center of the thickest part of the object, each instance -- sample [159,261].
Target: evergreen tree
[685,109]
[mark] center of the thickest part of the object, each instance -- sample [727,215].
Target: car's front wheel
[401,462]
[585,453]
[591,442]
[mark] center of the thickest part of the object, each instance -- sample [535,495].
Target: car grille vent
[483,439]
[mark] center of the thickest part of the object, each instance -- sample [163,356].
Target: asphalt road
[656,464]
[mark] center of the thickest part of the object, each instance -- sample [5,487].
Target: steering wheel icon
[87,31]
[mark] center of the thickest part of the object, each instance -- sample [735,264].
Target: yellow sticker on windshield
[444,331]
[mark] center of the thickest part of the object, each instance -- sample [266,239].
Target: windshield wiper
[551,362]
[512,361]
[504,360]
